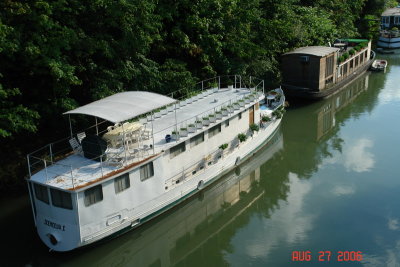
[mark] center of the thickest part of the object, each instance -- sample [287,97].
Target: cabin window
[61,199]
[195,140]
[41,193]
[396,20]
[240,115]
[329,66]
[93,195]
[176,150]
[351,63]
[345,69]
[146,171]
[121,183]
[356,64]
[214,130]
[227,123]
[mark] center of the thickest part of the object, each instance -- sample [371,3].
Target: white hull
[77,201]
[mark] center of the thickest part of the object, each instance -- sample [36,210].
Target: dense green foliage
[56,55]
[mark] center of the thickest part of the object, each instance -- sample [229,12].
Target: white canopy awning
[123,106]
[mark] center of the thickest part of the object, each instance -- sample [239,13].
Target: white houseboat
[145,154]
[390,25]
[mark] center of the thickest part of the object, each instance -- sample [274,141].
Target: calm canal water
[328,181]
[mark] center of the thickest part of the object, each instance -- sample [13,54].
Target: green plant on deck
[265,118]
[223,146]
[345,56]
[254,127]
[242,137]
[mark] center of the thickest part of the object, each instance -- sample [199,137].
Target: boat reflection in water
[188,228]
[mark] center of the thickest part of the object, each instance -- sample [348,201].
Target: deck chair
[80,137]
[76,147]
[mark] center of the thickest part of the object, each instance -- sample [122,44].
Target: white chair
[80,137]
[76,147]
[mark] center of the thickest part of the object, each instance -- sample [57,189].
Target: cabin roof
[391,12]
[319,51]
[123,106]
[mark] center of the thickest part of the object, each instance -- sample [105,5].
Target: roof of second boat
[123,106]
[392,12]
[319,51]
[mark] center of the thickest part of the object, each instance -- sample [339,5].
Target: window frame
[213,131]
[194,141]
[122,183]
[177,150]
[92,192]
[63,203]
[144,173]
[38,187]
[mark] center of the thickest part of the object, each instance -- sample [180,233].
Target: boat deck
[76,171]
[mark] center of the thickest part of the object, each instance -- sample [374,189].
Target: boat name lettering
[54,225]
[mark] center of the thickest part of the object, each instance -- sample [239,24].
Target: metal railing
[56,151]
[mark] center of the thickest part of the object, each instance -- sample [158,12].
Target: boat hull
[386,42]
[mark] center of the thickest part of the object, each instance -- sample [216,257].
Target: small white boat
[145,154]
[379,65]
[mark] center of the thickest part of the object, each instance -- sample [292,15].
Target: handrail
[51,153]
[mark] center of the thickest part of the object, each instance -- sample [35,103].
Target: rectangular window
[176,150]
[121,183]
[227,123]
[41,193]
[214,130]
[195,140]
[61,199]
[329,66]
[93,195]
[240,115]
[146,171]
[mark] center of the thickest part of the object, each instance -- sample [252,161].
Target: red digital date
[327,255]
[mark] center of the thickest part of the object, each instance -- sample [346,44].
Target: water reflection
[201,227]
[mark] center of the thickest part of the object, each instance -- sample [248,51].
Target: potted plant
[265,118]
[218,115]
[170,108]
[191,128]
[199,124]
[211,118]
[242,137]
[254,127]
[224,111]
[223,146]
[236,105]
[206,121]
[157,113]
[241,102]
[247,100]
[183,132]
[175,135]
[164,111]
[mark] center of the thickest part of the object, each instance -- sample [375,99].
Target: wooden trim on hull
[297,92]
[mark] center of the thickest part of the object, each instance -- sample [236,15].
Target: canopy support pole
[70,125]
[152,130]
[97,128]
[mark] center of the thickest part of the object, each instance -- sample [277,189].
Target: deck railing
[53,152]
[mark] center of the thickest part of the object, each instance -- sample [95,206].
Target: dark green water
[330,181]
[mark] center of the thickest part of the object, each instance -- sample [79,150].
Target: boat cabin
[390,18]
[318,68]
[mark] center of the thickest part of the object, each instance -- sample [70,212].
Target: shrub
[265,118]
[242,137]
[254,127]
[345,55]
[223,146]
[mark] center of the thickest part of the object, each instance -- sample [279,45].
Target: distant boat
[317,72]
[390,34]
[379,65]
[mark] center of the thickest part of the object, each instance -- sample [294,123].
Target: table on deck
[116,135]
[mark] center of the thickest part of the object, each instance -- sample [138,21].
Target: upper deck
[147,136]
